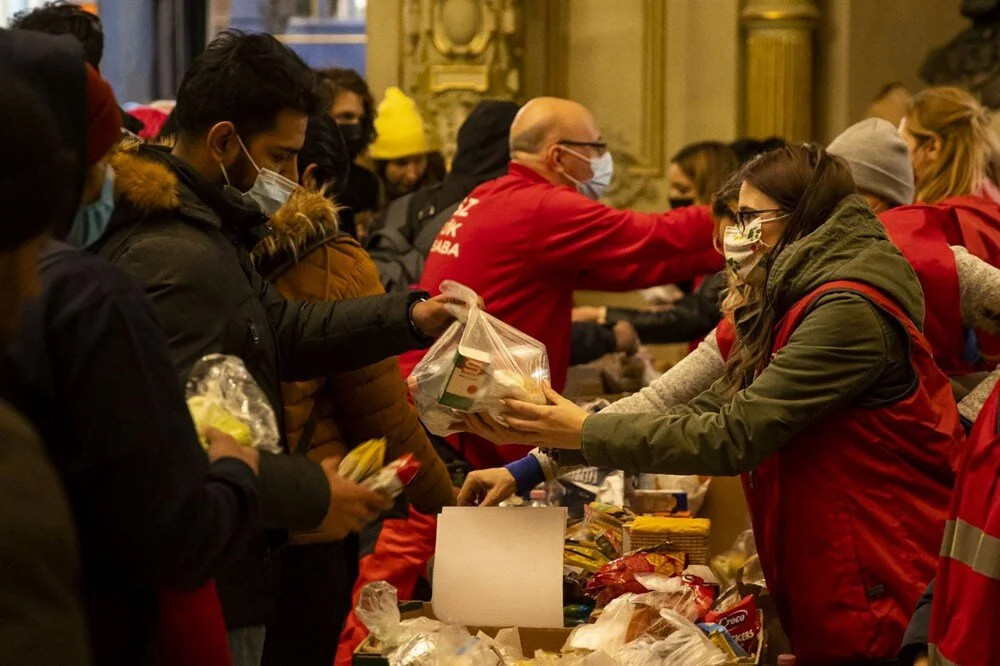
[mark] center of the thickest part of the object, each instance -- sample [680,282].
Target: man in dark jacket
[183,223]
[41,617]
[401,237]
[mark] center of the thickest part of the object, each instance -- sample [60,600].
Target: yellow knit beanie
[399,126]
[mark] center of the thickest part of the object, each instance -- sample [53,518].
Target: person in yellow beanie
[403,157]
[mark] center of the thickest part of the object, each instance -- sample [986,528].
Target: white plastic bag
[222,394]
[475,365]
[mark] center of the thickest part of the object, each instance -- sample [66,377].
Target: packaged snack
[723,640]
[618,577]
[477,364]
[742,621]
[222,394]
[363,460]
[395,476]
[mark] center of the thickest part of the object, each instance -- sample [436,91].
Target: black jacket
[401,237]
[185,242]
[89,365]
[690,318]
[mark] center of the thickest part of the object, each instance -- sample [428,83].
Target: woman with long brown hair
[831,407]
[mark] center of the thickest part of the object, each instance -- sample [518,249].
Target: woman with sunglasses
[830,407]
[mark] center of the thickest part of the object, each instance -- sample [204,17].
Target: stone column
[778,97]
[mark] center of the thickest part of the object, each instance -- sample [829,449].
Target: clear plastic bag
[685,645]
[378,610]
[222,394]
[475,365]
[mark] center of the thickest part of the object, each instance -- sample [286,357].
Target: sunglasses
[744,217]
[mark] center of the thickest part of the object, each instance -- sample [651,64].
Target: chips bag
[478,362]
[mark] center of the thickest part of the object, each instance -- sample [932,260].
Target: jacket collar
[526,173]
[151,180]
[307,219]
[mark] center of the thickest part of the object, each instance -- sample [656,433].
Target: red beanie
[104,119]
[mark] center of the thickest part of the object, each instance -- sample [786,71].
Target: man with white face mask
[527,240]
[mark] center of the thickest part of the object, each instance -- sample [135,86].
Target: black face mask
[354,139]
[680,202]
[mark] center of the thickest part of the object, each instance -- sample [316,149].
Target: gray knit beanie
[879,159]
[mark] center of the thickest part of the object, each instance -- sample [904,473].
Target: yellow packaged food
[363,461]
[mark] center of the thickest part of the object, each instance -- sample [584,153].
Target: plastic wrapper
[431,648]
[478,362]
[363,460]
[685,645]
[727,563]
[618,577]
[394,477]
[222,394]
[378,610]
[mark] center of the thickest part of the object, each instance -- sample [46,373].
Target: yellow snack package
[363,461]
[207,413]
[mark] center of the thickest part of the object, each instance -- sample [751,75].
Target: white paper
[499,567]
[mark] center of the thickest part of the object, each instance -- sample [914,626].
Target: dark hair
[246,79]
[724,198]
[324,146]
[62,18]
[707,164]
[746,149]
[338,79]
[807,183]
[38,190]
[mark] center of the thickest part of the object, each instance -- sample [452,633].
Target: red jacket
[846,592]
[966,608]
[922,233]
[525,245]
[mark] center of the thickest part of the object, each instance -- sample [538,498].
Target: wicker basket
[691,536]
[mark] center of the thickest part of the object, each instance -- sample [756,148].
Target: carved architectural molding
[455,53]
[779,68]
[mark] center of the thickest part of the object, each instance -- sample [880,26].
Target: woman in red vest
[831,407]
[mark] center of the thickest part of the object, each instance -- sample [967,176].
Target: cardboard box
[550,640]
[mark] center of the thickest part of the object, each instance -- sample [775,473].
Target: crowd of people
[842,304]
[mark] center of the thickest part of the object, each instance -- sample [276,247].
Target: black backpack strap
[309,429]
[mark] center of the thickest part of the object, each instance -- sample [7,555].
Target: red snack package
[742,622]
[395,476]
[704,593]
[618,577]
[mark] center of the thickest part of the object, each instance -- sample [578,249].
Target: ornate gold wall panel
[455,53]
[779,68]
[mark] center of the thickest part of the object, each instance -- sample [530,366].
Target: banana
[363,461]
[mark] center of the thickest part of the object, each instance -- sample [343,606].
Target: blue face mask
[92,220]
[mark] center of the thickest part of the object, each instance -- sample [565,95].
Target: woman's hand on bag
[558,424]
[487,487]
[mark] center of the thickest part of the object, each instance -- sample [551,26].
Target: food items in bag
[722,639]
[363,461]
[742,621]
[618,577]
[394,477]
[222,394]
[478,363]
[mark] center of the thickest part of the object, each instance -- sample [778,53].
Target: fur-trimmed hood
[150,186]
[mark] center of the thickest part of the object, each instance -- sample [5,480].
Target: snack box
[467,379]
[550,640]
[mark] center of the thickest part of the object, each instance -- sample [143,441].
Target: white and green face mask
[744,250]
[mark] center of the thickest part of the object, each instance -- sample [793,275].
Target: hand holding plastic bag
[222,394]
[475,365]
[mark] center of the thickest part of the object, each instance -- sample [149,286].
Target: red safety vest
[966,609]
[848,516]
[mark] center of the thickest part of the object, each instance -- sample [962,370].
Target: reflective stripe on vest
[935,658]
[972,547]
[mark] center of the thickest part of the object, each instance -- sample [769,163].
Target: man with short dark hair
[63,18]
[183,225]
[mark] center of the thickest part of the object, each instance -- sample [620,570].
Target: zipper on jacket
[253,329]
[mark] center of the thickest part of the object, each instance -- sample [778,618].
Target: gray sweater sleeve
[690,377]
[979,295]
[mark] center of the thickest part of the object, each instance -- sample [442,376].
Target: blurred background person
[353,109]
[697,171]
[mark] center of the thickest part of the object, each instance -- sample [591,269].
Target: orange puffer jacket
[307,259]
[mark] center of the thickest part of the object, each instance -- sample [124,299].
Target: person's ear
[308,178]
[222,142]
[933,147]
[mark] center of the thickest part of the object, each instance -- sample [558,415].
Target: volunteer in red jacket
[845,434]
[966,607]
[527,240]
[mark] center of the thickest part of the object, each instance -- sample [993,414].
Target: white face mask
[270,190]
[744,250]
[603,168]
